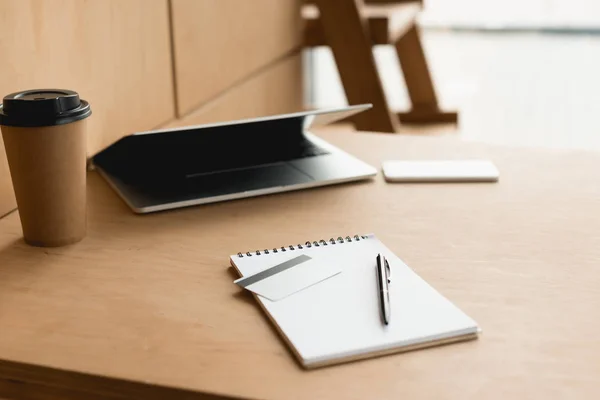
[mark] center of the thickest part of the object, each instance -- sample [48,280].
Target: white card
[440,171]
[289,277]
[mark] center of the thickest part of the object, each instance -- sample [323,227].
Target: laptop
[171,168]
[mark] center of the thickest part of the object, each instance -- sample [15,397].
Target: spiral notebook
[336,319]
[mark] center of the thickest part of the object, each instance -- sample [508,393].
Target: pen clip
[388,271]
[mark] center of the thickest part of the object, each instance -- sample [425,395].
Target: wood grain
[145,306]
[345,31]
[218,43]
[416,71]
[116,54]
[419,83]
[276,89]
[386,23]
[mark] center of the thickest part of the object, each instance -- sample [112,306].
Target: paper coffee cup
[45,142]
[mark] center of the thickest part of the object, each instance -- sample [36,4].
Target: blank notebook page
[339,319]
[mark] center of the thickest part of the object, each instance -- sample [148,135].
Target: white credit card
[282,280]
[440,171]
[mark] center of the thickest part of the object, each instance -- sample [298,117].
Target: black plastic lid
[43,107]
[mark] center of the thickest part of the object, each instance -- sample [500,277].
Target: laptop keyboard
[244,158]
[309,149]
[173,158]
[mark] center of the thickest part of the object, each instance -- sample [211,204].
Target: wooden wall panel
[275,90]
[115,53]
[219,43]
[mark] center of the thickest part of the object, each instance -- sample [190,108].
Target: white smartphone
[440,171]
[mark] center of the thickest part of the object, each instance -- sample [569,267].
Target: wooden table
[145,307]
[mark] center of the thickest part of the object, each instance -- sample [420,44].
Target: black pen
[383,284]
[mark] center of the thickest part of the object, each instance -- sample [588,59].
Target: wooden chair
[351,28]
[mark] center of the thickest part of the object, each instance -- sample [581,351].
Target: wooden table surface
[145,307]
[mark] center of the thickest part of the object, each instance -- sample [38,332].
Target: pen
[383,282]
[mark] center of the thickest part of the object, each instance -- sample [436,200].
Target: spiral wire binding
[307,244]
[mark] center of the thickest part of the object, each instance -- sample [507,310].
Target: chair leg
[345,31]
[419,83]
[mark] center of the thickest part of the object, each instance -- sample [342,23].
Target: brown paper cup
[48,170]
[45,143]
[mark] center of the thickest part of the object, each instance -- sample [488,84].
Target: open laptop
[171,168]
